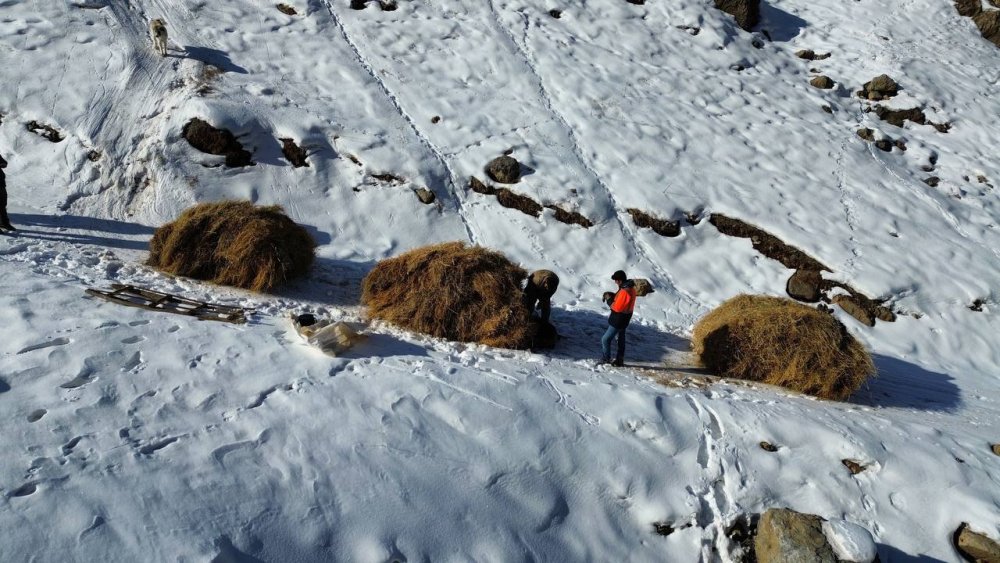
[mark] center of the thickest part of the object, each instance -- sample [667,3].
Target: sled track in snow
[452,180]
[546,98]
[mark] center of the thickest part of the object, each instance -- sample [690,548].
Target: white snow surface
[850,542]
[138,436]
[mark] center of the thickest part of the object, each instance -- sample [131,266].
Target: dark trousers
[4,219]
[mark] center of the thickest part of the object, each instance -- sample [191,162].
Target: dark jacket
[622,304]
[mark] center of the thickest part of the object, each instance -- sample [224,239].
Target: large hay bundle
[468,294]
[233,243]
[781,342]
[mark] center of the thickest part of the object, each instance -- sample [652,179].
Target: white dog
[158,32]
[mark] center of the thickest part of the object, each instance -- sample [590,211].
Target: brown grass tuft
[780,342]
[449,290]
[233,243]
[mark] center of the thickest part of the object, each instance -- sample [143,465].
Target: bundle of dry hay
[468,294]
[233,243]
[780,342]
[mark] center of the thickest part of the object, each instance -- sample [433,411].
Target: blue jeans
[606,343]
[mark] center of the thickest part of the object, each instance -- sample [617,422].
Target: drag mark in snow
[578,154]
[563,400]
[41,345]
[157,445]
[452,181]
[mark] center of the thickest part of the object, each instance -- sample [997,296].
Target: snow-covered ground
[137,436]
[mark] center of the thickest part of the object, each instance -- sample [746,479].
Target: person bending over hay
[453,291]
[233,243]
[780,342]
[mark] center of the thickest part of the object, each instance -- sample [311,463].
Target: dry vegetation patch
[662,227]
[233,243]
[293,153]
[452,291]
[766,243]
[570,217]
[780,342]
[222,142]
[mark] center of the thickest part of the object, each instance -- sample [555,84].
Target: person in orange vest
[622,304]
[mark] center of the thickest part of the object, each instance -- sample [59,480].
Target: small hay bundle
[780,342]
[467,294]
[233,243]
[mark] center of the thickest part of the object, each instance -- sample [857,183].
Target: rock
[804,285]
[900,144]
[555,13]
[884,145]
[969,8]
[879,88]
[504,169]
[295,154]
[989,25]
[853,466]
[853,308]
[898,116]
[822,56]
[866,134]
[425,196]
[932,181]
[996,449]
[807,54]
[786,536]
[202,136]
[975,546]
[746,12]
[768,447]
[885,314]
[821,81]
[827,109]
[643,287]
[480,188]
[850,542]
[286,9]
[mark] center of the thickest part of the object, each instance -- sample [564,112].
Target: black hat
[619,276]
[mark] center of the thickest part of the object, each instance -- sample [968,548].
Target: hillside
[133,436]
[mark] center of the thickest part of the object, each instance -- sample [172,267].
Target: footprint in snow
[133,339]
[36,415]
[48,344]
[24,490]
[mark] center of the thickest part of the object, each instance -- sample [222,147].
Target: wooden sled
[149,299]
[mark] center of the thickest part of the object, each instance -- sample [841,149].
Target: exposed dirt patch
[570,217]
[47,132]
[480,188]
[522,203]
[293,153]
[810,55]
[766,243]
[222,142]
[691,29]
[388,178]
[661,227]
[287,10]
[354,159]
[899,116]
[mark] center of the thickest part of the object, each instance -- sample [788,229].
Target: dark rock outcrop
[504,169]
[786,536]
[746,12]
[975,546]
[879,88]
[804,285]
[822,82]
[206,138]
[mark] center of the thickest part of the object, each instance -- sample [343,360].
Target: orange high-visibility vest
[624,300]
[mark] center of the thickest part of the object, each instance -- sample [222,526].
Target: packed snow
[132,435]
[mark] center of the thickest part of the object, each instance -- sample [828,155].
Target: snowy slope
[165,438]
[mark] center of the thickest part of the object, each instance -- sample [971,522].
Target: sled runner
[152,300]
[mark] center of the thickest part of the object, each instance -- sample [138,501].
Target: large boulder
[975,546]
[988,23]
[786,536]
[804,285]
[504,169]
[854,308]
[746,12]
[879,88]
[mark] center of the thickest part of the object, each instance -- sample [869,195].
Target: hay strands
[152,300]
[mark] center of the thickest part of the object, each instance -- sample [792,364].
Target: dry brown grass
[233,243]
[780,342]
[452,291]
